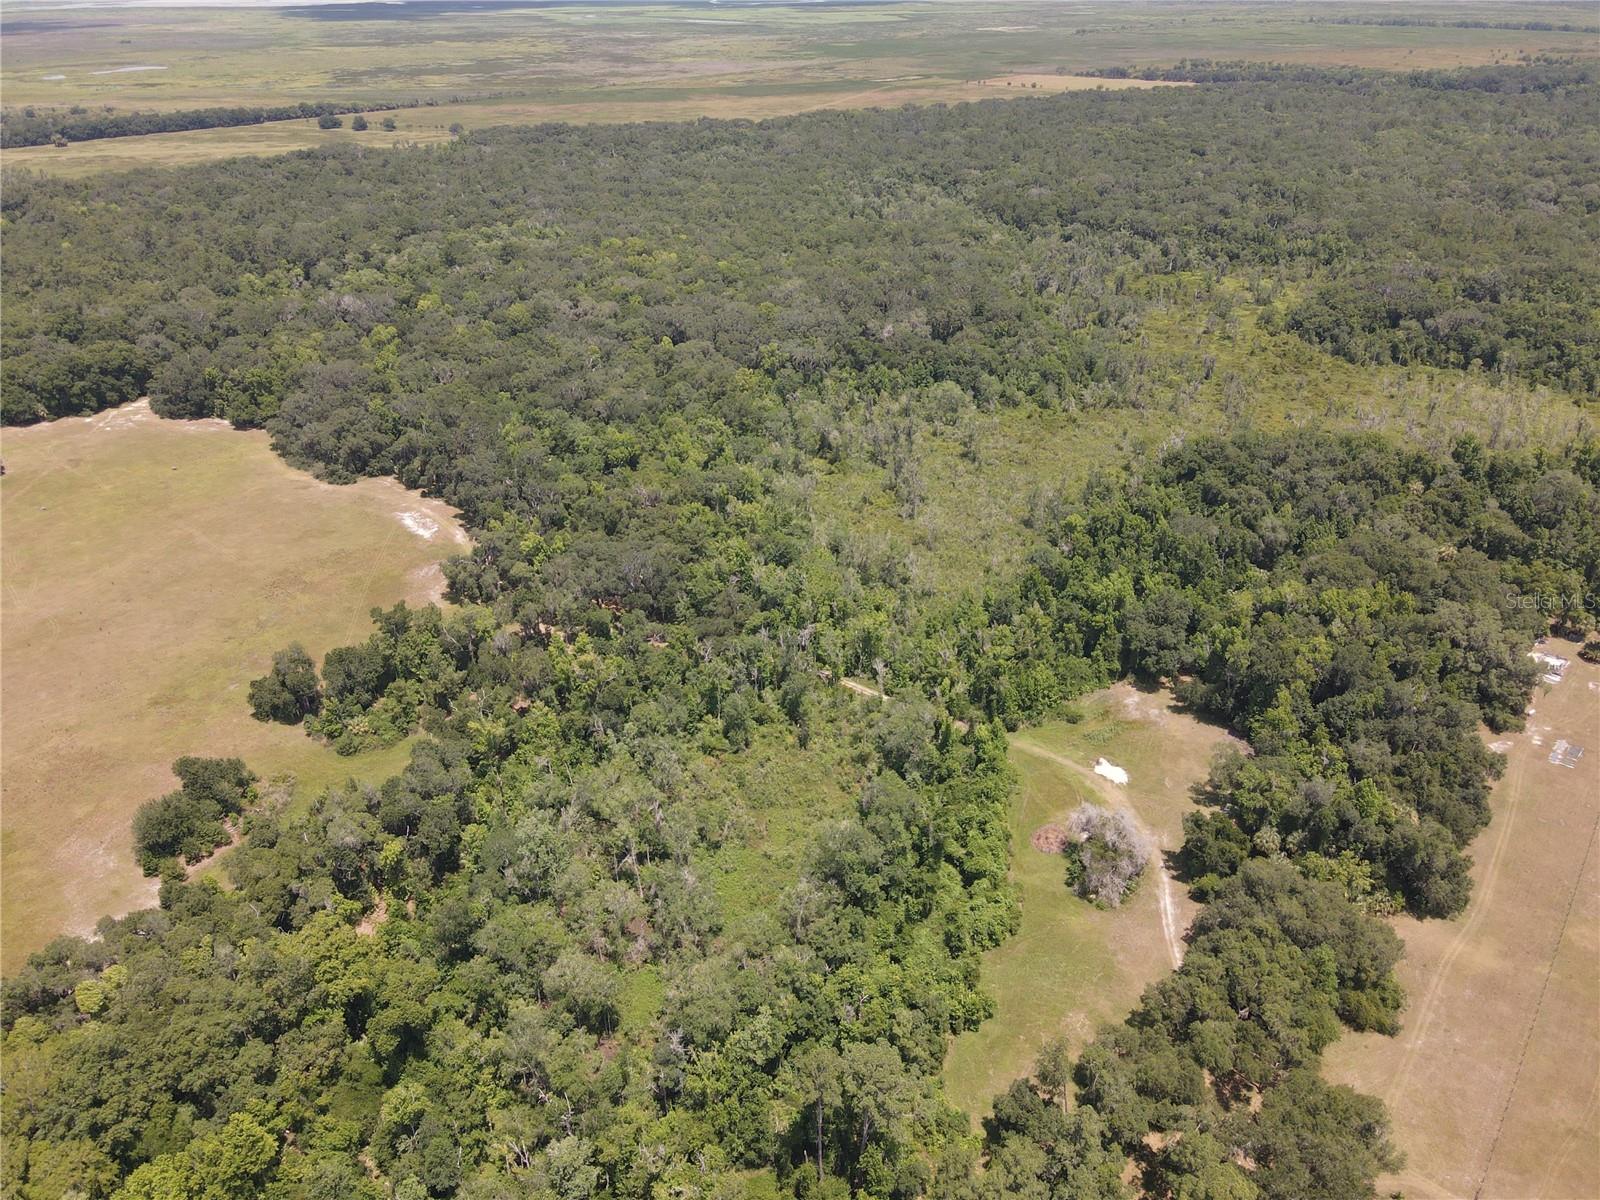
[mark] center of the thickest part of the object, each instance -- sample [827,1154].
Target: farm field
[1072,966]
[151,568]
[1494,1081]
[672,61]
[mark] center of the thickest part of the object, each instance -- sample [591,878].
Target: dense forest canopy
[656,909]
[941,244]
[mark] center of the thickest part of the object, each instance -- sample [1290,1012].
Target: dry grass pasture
[1071,966]
[1072,83]
[1494,1082]
[208,145]
[150,569]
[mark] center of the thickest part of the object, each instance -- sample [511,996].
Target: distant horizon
[36,5]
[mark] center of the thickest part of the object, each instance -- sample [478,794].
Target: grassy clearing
[970,526]
[209,145]
[1072,966]
[779,794]
[1494,1081]
[672,61]
[151,568]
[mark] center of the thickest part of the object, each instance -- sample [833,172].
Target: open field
[1072,966]
[418,126]
[208,145]
[150,570]
[625,62]
[1494,1081]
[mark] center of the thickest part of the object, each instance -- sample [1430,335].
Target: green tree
[1196,1166]
[290,691]
[1313,1141]
[815,1074]
[231,1163]
[190,822]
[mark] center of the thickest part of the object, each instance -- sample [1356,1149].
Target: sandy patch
[427,584]
[128,415]
[368,925]
[1109,770]
[420,524]
[1138,706]
[1172,928]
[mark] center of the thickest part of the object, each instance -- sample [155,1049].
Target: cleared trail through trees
[862,689]
[1169,914]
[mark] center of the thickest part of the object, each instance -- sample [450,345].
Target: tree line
[34,126]
[1462,23]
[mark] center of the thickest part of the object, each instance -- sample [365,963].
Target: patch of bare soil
[1049,839]
[368,925]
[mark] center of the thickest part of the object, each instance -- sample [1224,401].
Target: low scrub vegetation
[1106,854]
